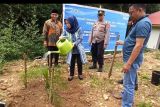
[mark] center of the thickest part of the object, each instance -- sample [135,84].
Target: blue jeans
[129,85]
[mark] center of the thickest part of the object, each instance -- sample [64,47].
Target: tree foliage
[20,30]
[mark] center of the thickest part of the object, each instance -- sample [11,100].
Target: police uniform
[99,38]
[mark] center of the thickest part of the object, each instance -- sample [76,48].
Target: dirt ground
[96,90]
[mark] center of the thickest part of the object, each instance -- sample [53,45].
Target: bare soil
[96,90]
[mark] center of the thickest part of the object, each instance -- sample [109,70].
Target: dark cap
[54,11]
[101,12]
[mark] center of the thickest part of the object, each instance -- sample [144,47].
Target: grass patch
[105,85]
[108,85]
[34,73]
[144,76]
[144,104]
[95,81]
[118,65]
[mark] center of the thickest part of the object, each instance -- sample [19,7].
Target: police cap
[101,12]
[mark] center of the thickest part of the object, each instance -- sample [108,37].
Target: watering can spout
[64,47]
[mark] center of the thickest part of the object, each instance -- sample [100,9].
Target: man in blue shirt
[133,48]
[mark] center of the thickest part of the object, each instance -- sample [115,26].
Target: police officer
[99,40]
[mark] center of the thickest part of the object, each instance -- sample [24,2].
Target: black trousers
[97,51]
[79,63]
[55,55]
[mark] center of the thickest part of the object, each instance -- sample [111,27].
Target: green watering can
[64,46]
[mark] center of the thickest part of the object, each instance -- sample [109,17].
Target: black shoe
[80,77]
[136,87]
[100,69]
[70,78]
[120,81]
[93,67]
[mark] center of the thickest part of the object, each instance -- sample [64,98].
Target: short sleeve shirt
[141,29]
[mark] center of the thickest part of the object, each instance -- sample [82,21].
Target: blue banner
[87,16]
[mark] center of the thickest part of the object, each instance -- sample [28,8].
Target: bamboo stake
[114,55]
[25,69]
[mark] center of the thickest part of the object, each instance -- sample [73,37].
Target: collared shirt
[100,32]
[142,29]
[52,30]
